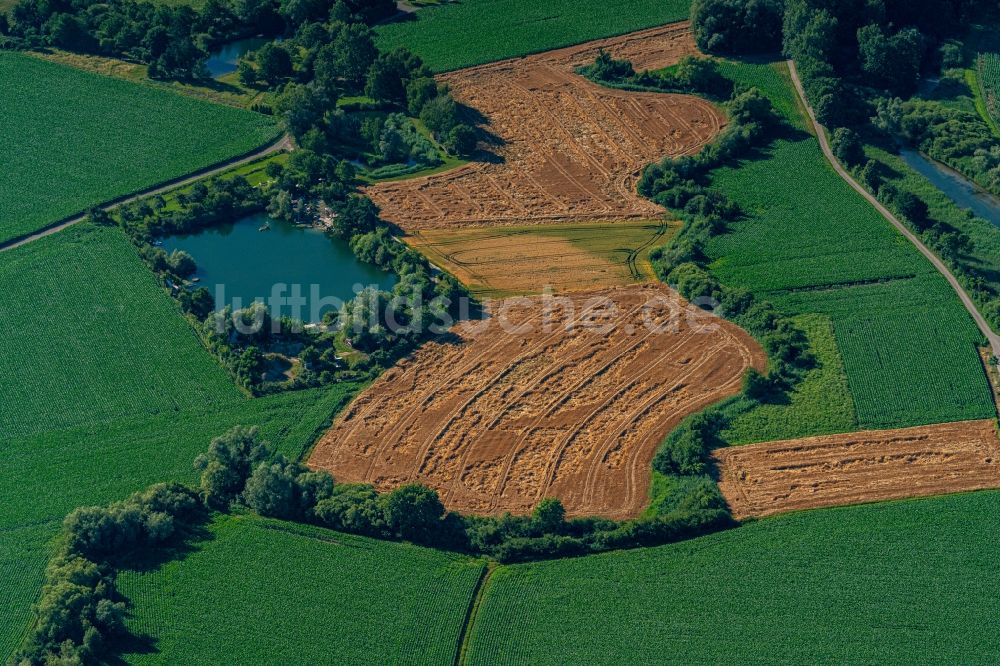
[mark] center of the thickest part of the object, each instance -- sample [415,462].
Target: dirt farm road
[281,144]
[824,143]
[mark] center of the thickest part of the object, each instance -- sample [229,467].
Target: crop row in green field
[71,139]
[107,390]
[83,324]
[472,32]
[988,71]
[900,583]
[24,553]
[810,244]
[266,592]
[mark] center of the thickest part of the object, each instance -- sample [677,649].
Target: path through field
[282,144]
[824,143]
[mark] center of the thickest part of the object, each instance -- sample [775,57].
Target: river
[955,186]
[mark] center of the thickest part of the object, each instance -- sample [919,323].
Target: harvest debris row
[501,418]
[566,149]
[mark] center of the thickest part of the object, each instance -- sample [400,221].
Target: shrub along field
[99,138]
[811,245]
[882,583]
[334,597]
[473,32]
[111,391]
[820,403]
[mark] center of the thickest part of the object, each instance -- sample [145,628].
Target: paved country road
[824,143]
[283,143]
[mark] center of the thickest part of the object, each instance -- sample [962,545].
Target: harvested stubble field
[573,408]
[508,261]
[853,468]
[566,149]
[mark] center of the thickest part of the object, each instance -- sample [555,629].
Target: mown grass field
[472,32]
[820,404]
[98,138]
[497,262]
[266,592]
[898,583]
[811,245]
[106,391]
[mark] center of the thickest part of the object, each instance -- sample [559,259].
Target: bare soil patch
[584,256]
[834,470]
[567,149]
[499,419]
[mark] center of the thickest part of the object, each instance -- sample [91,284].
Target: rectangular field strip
[265,592]
[473,32]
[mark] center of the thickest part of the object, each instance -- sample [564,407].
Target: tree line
[173,40]
[861,62]
[80,617]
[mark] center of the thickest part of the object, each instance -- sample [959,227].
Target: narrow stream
[956,187]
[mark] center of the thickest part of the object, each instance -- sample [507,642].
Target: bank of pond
[225,59]
[259,256]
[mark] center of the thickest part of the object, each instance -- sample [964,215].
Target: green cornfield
[106,391]
[891,583]
[72,139]
[472,32]
[811,245]
[95,350]
[988,71]
[266,592]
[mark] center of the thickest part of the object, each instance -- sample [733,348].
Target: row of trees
[239,469]
[682,185]
[690,75]
[173,40]
[80,617]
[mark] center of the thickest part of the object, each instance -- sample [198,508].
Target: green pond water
[239,264]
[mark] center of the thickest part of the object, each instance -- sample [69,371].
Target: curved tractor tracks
[503,418]
[282,143]
[500,420]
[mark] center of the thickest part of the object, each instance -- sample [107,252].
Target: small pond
[243,264]
[224,60]
[956,187]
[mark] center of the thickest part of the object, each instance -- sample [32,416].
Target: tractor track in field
[500,417]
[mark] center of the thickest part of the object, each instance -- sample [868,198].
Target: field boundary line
[279,144]
[475,601]
[824,143]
